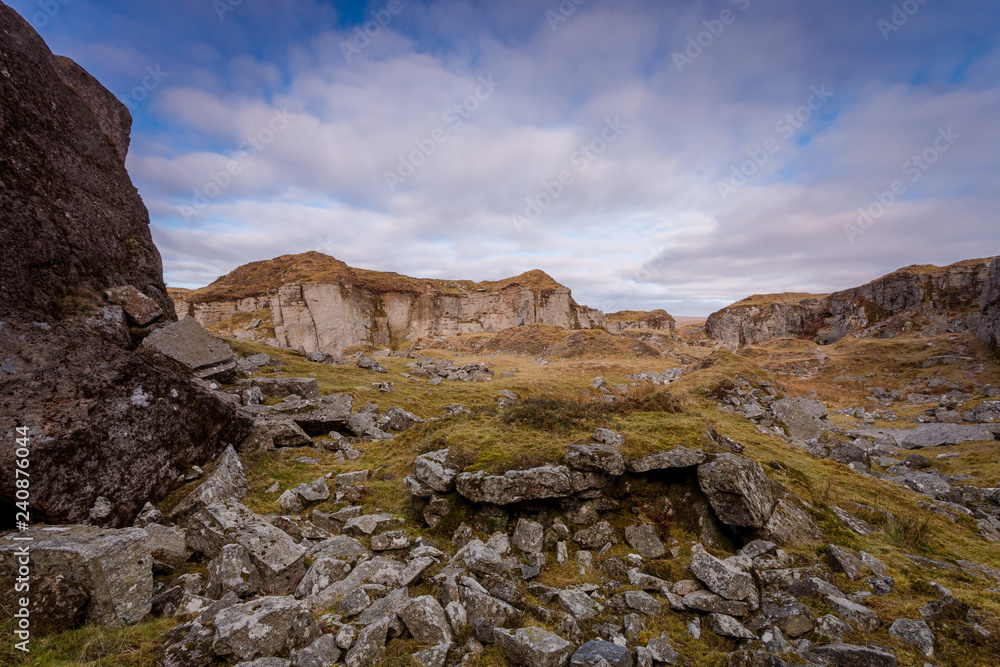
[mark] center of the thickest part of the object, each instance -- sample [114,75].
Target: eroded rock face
[989,309]
[73,223]
[946,298]
[368,308]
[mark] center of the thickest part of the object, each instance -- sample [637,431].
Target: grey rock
[113,567]
[935,435]
[370,364]
[599,653]
[595,458]
[844,560]
[496,613]
[548,481]
[353,603]
[833,627]
[802,416]
[398,419]
[307,388]
[727,626]
[227,481]
[738,490]
[608,437]
[369,646]
[534,647]
[915,633]
[712,603]
[263,627]
[286,433]
[528,536]
[232,570]
[578,604]
[849,655]
[435,656]
[378,570]
[387,607]
[314,492]
[426,620]
[189,348]
[433,471]
[644,538]
[390,540]
[168,544]
[481,559]
[323,652]
[678,457]
[661,651]
[289,502]
[414,570]
[596,536]
[785,612]
[643,602]
[277,557]
[265,662]
[862,617]
[323,573]
[720,577]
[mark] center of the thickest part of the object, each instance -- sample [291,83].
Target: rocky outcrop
[936,299]
[989,316]
[317,303]
[73,223]
[658,320]
[81,284]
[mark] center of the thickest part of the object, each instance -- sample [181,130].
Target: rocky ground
[439,510]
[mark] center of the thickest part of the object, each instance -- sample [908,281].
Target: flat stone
[595,458]
[643,602]
[844,560]
[599,653]
[861,616]
[712,603]
[720,577]
[915,633]
[548,481]
[849,655]
[644,538]
[578,604]
[263,627]
[391,540]
[678,457]
[189,347]
[727,626]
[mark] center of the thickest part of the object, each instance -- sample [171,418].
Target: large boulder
[278,559]
[102,422]
[802,416]
[188,348]
[72,222]
[548,481]
[533,646]
[989,309]
[738,490]
[265,627]
[113,567]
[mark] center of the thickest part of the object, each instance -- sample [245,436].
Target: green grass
[90,646]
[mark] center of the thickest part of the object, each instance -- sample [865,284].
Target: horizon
[735,148]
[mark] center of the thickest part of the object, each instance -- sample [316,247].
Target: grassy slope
[487,442]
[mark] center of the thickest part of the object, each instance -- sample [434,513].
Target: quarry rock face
[108,430]
[73,223]
[340,306]
[989,318]
[942,299]
[658,320]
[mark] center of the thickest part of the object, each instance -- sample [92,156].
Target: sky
[646,154]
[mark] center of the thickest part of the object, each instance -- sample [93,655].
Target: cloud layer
[646,154]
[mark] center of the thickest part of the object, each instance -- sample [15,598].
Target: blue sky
[677,155]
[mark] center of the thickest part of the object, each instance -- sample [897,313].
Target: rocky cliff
[317,302]
[80,284]
[989,317]
[658,320]
[934,299]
